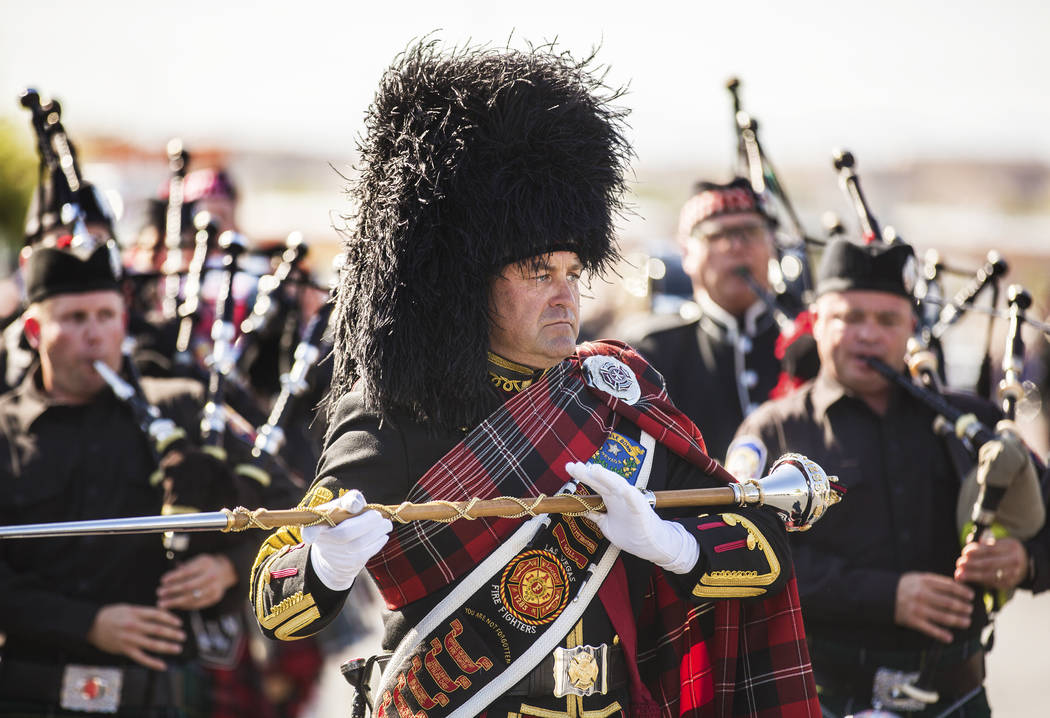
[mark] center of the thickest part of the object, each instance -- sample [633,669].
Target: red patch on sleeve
[710,525]
[731,546]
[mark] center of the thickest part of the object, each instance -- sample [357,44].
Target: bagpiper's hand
[198,583]
[136,632]
[1000,563]
[338,553]
[932,604]
[630,523]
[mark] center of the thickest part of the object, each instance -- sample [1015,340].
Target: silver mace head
[796,487]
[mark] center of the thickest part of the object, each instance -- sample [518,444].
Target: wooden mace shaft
[478,508]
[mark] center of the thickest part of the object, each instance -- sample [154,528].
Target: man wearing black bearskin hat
[489,188]
[722,365]
[887,596]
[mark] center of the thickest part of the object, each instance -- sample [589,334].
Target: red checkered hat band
[712,203]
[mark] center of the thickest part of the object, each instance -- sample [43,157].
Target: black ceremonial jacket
[898,514]
[383,460]
[717,369]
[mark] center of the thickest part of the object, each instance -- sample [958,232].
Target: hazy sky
[890,80]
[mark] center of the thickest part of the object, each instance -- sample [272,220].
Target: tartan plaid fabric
[726,658]
[733,659]
[520,450]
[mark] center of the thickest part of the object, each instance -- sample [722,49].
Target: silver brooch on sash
[613,377]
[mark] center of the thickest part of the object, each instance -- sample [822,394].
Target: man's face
[855,324]
[70,332]
[719,247]
[535,310]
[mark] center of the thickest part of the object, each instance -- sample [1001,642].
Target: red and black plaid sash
[521,450]
[758,653]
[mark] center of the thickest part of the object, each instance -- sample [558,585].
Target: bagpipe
[264,442]
[68,200]
[794,283]
[63,196]
[178,163]
[169,295]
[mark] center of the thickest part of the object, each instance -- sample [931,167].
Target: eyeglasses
[747,234]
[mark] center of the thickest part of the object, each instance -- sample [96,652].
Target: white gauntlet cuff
[688,552]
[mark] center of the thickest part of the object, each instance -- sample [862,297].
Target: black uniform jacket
[383,459]
[898,514]
[717,369]
[71,463]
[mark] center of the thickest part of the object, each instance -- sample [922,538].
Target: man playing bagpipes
[893,609]
[100,624]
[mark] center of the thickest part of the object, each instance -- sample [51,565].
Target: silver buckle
[91,688]
[581,671]
[888,691]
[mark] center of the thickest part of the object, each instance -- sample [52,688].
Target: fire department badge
[533,587]
[613,377]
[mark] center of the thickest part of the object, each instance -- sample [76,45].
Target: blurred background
[944,105]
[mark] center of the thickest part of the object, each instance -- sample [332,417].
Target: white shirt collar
[727,320]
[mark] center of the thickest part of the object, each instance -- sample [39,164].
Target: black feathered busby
[473,158]
[877,266]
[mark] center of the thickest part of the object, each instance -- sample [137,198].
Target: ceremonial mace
[796,487]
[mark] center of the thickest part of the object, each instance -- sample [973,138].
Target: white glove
[631,523]
[338,553]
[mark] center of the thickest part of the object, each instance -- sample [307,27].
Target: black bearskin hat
[472,159]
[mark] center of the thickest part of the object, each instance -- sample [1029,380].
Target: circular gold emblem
[533,587]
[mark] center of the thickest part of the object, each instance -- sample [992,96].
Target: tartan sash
[521,450]
[758,654]
[505,616]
